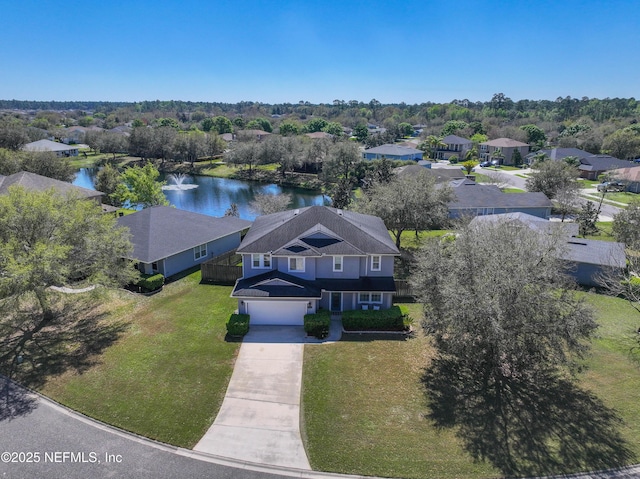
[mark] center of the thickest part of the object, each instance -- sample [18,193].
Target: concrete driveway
[259,420]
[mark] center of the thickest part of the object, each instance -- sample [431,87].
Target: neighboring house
[441,175]
[319,135]
[60,149]
[392,152]
[167,240]
[474,199]
[488,150]
[593,166]
[558,154]
[586,260]
[76,134]
[34,182]
[253,134]
[456,146]
[298,261]
[629,176]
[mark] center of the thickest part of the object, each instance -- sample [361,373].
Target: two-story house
[298,261]
[456,146]
[502,149]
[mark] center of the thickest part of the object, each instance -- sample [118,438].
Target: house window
[375,263]
[296,265]
[154,267]
[337,263]
[261,261]
[200,251]
[370,298]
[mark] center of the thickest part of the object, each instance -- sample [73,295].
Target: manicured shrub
[238,325]
[151,282]
[391,319]
[317,324]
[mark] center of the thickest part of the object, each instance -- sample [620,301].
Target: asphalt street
[607,212]
[40,439]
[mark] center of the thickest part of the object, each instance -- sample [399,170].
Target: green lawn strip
[364,414]
[167,375]
[408,239]
[614,367]
[513,190]
[587,183]
[364,406]
[622,197]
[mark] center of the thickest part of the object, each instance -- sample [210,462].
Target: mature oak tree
[510,332]
[407,202]
[549,177]
[140,186]
[47,239]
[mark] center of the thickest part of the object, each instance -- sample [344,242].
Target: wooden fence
[222,269]
[403,289]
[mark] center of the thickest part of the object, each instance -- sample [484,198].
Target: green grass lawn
[223,170]
[587,183]
[513,190]
[622,197]
[165,378]
[364,405]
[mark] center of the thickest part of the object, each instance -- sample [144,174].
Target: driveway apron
[259,420]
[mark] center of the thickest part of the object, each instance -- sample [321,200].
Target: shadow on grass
[71,340]
[547,426]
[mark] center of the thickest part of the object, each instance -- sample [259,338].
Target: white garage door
[277,312]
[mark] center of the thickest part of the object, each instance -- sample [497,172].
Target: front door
[336,301]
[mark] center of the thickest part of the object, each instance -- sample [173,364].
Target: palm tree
[498,155]
[435,142]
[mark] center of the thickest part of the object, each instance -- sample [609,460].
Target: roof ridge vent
[339,211]
[296,212]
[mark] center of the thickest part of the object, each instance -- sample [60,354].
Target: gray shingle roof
[162,231]
[393,150]
[456,140]
[473,195]
[34,182]
[577,250]
[440,174]
[602,253]
[504,143]
[602,163]
[561,153]
[48,145]
[275,284]
[354,233]
[534,222]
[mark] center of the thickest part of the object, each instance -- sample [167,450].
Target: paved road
[30,424]
[607,212]
[48,433]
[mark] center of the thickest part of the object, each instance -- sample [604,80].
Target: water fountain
[178,183]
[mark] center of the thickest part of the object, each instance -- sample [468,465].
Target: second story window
[296,265]
[337,263]
[376,263]
[261,261]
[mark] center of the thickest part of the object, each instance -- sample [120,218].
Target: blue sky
[287,51]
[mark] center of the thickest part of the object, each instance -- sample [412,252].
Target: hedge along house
[167,240]
[298,261]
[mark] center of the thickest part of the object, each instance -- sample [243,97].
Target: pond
[214,195]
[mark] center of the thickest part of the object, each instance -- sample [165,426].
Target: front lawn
[364,404]
[165,378]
